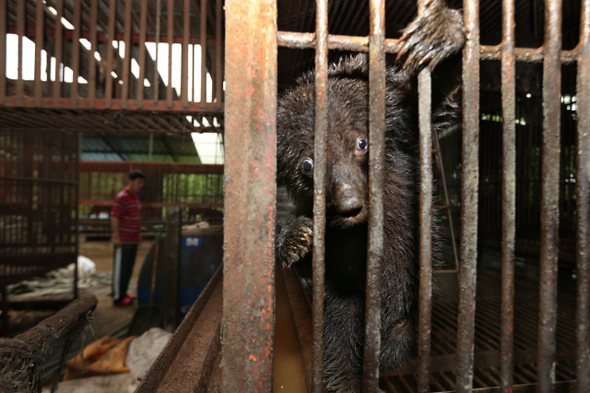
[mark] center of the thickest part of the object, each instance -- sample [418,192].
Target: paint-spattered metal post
[583,205]
[319,198]
[550,196]
[250,178]
[469,199]
[376,173]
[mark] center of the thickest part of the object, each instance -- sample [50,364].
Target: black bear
[432,37]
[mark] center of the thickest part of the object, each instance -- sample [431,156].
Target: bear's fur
[347,204]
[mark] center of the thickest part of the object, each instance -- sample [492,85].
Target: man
[125,225]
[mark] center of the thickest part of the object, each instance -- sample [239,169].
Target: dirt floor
[107,318]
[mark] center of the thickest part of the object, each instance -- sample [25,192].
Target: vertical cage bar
[3,19]
[218,53]
[203,51]
[550,195]
[110,54]
[250,189]
[319,198]
[20,31]
[426,179]
[127,60]
[583,204]
[372,342]
[57,72]
[508,195]
[185,41]
[74,102]
[142,49]
[39,44]
[156,96]
[170,36]
[92,54]
[469,199]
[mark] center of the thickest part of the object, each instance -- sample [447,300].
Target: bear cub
[431,38]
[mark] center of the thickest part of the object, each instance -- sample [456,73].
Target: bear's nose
[348,202]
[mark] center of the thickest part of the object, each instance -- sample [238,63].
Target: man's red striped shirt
[127,208]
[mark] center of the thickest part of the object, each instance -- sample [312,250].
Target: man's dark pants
[124,260]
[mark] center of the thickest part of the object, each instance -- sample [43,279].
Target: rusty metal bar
[39,44]
[20,28]
[170,27]
[203,50]
[127,60]
[156,96]
[110,54]
[142,49]
[583,204]
[469,199]
[508,195]
[250,202]
[186,38]
[75,55]
[425,253]
[372,341]
[3,52]
[218,52]
[550,195]
[297,40]
[58,47]
[171,276]
[92,53]
[319,198]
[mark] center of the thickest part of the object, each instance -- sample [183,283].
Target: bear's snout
[348,201]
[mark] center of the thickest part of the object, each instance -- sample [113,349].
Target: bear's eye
[307,165]
[362,144]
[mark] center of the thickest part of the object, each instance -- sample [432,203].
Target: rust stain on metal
[550,195]
[248,304]
[509,195]
[469,201]
[583,205]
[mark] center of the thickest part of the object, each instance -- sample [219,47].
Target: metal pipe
[319,198]
[170,38]
[372,342]
[142,64]
[110,54]
[549,195]
[92,53]
[469,199]
[127,59]
[203,50]
[297,40]
[583,204]
[250,189]
[508,195]
[185,41]
[425,253]
[3,52]
[39,44]
[76,55]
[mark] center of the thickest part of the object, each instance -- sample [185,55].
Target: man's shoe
[125,302]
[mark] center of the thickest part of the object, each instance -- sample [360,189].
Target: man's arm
[115,230]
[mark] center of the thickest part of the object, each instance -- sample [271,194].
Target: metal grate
[469,340]
[39,202]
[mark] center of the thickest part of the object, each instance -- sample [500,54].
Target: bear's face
[346,150]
